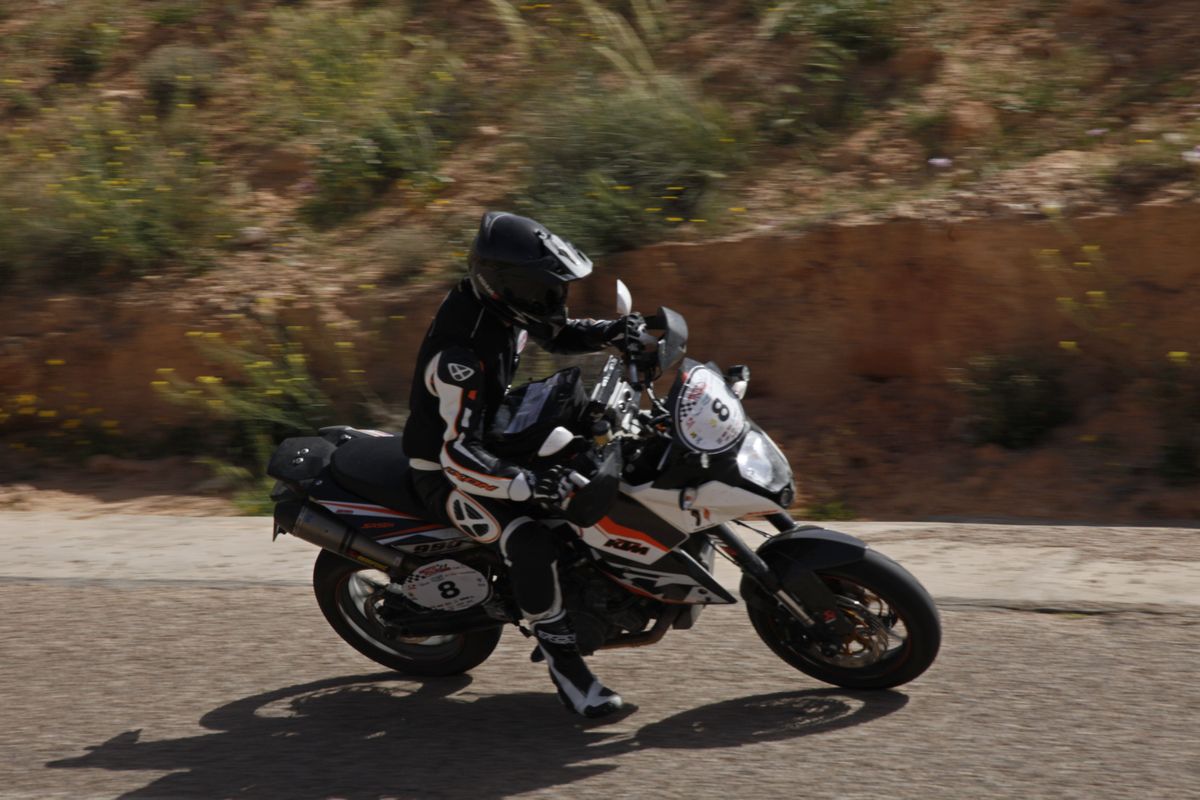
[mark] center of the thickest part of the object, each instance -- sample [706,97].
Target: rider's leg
[529,551]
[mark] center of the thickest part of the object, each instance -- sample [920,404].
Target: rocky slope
[1015,182]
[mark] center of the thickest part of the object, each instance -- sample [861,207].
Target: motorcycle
[663,485]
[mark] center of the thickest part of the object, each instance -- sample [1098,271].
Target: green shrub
[312,68]
[178,74]
[66,43]
[868,28]
[840,40]
[930,128]
[16,101]
[1145,167]
[864,27]
[265,392]
[823,97]
[1040,101]
[378,105]
[614,168]
[83,51]
[407,252]
[172,14]
[617,151]
[1015,400]
[354,168]
[98,195]
[265,388]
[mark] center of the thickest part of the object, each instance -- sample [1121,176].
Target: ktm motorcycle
[663,486]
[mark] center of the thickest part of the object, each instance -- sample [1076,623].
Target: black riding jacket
[463,371]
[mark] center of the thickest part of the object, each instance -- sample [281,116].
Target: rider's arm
[455,377]
[584,336]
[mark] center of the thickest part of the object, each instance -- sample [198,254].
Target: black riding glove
[624,332]
[551,487]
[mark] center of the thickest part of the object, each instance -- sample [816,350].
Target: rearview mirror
[624,299]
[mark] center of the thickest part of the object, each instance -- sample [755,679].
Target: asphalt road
[160,657]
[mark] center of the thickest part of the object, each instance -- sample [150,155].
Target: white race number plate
[446,585]
[709,417]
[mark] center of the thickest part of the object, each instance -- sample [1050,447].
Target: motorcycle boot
[578,688]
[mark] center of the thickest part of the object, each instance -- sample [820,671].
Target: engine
[599,610]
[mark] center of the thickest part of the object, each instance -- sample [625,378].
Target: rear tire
[343,590]
[883,600]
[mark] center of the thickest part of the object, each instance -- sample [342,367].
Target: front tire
[345,591]
[896,633]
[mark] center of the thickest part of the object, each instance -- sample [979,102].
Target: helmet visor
[537,298]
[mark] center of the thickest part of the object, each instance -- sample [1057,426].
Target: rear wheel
[350,595]
[896,632]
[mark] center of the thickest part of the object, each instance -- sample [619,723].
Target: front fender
[811,548]
[795,556]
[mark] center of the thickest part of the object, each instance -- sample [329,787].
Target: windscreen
[708,416]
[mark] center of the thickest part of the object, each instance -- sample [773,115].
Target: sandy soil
[174,486]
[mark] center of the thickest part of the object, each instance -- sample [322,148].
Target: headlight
[760,462]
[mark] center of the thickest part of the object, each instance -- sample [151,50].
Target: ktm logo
[627,546]
[487,487]
[459,372]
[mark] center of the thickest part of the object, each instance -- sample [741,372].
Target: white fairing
[708,417]
[714,503]
[607,536]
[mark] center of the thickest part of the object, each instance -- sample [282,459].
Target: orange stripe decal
[616,529]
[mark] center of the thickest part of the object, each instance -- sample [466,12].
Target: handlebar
[649,356]
[644,357]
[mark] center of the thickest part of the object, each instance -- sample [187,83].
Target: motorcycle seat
[376,469]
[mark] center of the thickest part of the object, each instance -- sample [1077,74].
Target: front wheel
[896,632]
[349,595]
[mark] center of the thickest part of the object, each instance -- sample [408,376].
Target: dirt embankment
[849,332]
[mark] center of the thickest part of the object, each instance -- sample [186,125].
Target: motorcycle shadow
[373,736]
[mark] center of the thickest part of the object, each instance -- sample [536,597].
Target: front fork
[804,595]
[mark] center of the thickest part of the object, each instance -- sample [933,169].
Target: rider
[516,287]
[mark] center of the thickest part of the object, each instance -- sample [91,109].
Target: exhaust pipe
[329,533]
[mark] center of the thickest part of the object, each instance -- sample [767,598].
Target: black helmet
[520,270]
